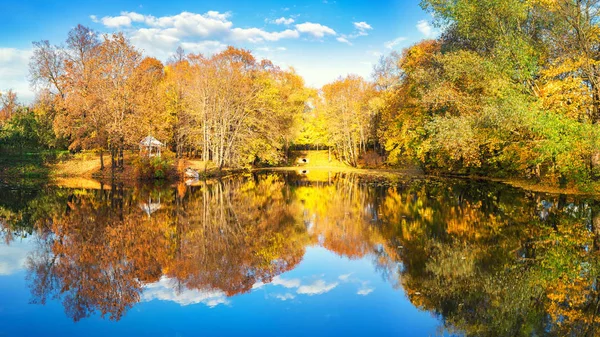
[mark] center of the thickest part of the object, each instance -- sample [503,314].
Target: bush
[147,168]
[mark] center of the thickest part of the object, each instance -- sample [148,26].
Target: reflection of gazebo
[151,206]
[150,143]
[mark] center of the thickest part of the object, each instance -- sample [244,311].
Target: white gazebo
[152,146]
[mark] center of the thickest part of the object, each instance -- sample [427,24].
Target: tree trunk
[121,157]
[287,151]
[595,158]
[101,159]
[112,160]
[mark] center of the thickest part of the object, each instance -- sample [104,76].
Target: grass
[83,169]
[196,164]
[314,159]
[79,182]
[27,164]
[82,165]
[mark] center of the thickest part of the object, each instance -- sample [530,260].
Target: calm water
[279,254]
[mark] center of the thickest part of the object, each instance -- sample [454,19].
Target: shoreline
[83,171]
[96,182]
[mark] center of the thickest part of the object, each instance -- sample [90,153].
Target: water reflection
[485,258]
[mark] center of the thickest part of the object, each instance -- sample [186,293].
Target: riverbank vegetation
[512,92]
[508,89]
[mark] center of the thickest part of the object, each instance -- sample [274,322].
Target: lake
[289,254]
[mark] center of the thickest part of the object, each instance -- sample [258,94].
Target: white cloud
[362,26]
[217,15]
[155,42]
[210,24]
[204,33]
[365,291]
[14,72]
[344,40]
[187,25]
[316,288]
[258,35]
[94,18]
[361,30]
[425,28]
[258,285]
[285,297]
[165,290]
[344,277]
[135,17]
[203,47]
[283,21]
[270,50]
[287,283]
[13,256]
[116,21]
[13,55]
[394,43]
[315,29]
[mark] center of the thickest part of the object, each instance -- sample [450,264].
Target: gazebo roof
[150,141]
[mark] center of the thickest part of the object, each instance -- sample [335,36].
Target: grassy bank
[86,165]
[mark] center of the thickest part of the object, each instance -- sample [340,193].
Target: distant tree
[8,105]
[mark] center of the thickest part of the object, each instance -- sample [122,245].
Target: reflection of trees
[96,254]
[488,259]
[237,232]
[341,215]
[98,251]
[21,207]
[102,248]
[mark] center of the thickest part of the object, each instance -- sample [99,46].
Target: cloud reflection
[165,290]
[316,288]
[13,257]
[285,297]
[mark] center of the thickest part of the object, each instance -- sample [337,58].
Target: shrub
[147,168]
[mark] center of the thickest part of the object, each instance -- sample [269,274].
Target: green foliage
[148,168]
[565,147]
[27,144]
[29,129]
[21,131]
[500,93]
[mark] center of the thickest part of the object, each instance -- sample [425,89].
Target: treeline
[104,95]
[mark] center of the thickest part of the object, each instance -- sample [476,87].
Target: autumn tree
[8,105]
[232,109]
[348,116]
[115,88]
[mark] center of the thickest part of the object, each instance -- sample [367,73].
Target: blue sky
[321,39]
